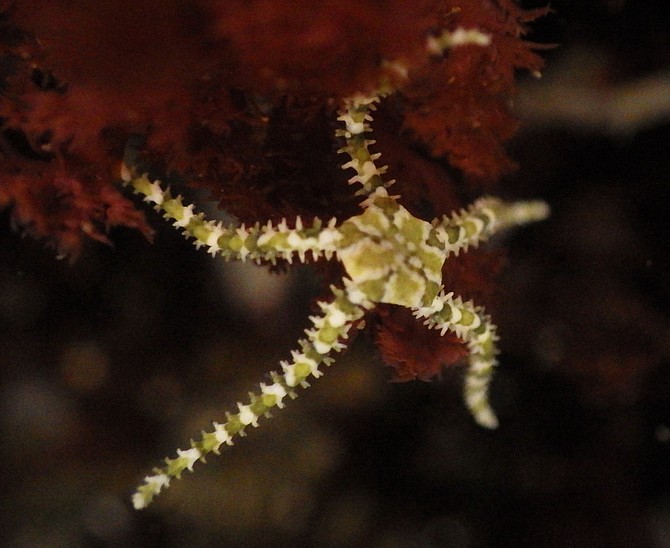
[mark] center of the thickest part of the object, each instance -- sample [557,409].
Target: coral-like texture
[237,95]
[241,98]
[476,121]
[62,206]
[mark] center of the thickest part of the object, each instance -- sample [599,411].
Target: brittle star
[389,256]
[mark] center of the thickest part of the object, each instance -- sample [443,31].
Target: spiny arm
[260,242]
[474,327]
[356,116]
[484,218]
[357,112]
[327,335]
[463,229]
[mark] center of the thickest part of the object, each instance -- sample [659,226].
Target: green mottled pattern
[329,332]
[473,326]
[391,256]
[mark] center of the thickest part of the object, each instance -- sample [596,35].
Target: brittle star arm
[470,324]
[484,218]
[328,334]
[446,313]
[259,242]
[356,114]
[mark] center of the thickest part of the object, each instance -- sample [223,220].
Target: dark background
[110,363]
